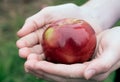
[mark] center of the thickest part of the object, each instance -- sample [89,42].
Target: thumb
[101,64]
[33,23]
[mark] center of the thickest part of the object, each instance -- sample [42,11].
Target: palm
[106,56]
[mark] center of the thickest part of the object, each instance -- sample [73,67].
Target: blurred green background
[12,16]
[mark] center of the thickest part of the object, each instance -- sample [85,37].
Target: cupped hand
[48,15]
[37,66]
[53,13]
[106,60]
[31,32]
[107,56]
[30,42]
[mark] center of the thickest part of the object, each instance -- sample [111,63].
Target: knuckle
[26,64]
[71,4]
[47,9]
[105,67]
[28,19]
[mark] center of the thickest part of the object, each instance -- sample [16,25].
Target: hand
[48,15]
[31,38]
[36,65]
[31,32]
[31,35]
[33,28]
[107,58]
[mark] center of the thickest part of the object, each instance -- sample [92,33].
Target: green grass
[11,65]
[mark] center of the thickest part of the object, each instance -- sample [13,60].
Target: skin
[106,55]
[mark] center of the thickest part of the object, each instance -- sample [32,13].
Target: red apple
[69,41]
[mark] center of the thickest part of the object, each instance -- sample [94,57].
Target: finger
[36,57]
[56,78]
[46,76]
[32,59]
[24,52]
[30,39]
[29,64]
[102,64]
[32,23]
[109,74]
[40,74]
[100,77]
[36,49]
[75,70]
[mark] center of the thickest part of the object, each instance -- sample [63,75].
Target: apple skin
[69,41]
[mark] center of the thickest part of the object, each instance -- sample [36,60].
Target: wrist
[103,14]
[111,5]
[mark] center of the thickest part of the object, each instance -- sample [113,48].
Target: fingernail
[89,73]
[19,33]
[21,44]
[26,70]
